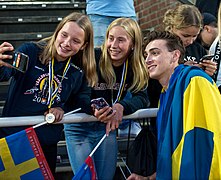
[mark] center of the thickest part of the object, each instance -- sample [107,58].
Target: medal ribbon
[122,83]
[52,94]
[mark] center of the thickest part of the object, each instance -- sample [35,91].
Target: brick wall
[150,12]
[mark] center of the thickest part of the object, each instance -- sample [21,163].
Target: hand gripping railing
[71,118]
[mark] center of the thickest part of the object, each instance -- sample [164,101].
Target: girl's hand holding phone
[102,111]
[13,59]
[208,65]
[4,47]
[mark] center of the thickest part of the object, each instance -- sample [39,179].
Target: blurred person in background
[215,49]
[209,31]
[103,12]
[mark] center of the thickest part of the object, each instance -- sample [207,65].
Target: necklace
[122,84]
[52,94]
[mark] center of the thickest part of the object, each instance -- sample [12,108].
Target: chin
[61,58]
[115,58]
[152,76]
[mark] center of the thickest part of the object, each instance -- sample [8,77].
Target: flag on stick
[87,170]
[21,157]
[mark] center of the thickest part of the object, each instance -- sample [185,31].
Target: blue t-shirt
[114,8]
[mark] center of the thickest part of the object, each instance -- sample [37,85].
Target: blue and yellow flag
[189,127]
[21,157]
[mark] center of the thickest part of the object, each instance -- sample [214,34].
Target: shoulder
[76,68]
[30,49]
[193,71]
[195,47]
[28,45]
[212,48]
[194,52]
[185,75]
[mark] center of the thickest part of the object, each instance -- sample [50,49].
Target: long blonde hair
[135,59]
[182,16]
[86,55]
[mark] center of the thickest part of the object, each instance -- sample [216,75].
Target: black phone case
[19,60]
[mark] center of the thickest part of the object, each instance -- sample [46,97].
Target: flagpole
[66,114]
[40,124]
[91,154]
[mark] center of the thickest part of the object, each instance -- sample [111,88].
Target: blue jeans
[100,25]
[81,138]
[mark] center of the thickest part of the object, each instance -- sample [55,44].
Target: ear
[84,46]
[207,28]
[131,46]
[176,56]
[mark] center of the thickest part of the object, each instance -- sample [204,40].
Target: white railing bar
[72,118]
[66,114]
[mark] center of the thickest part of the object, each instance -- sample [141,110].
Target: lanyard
[122,84]
[52,94]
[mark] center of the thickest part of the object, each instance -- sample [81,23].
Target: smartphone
[100,103]
[19,60]
[207,57]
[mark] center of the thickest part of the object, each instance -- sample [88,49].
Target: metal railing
[72,118]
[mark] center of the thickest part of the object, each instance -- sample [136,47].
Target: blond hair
[86,55]
[182,16]
[135,59]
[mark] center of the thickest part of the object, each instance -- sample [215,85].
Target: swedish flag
[21,157]
[189,127]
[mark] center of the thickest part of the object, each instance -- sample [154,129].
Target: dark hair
[173,42]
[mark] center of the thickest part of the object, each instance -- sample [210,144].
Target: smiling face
[188,35]
[160,62]
[119,45]
[69,41]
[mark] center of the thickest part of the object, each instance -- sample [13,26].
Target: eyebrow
[189,35]
[152,49]
[186,34]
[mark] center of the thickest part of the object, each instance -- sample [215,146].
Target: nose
[114,43]
[190,40]
[148,59]
[67,42]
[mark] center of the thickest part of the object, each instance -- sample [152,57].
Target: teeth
[114,51]
[64,49]
[151,67]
